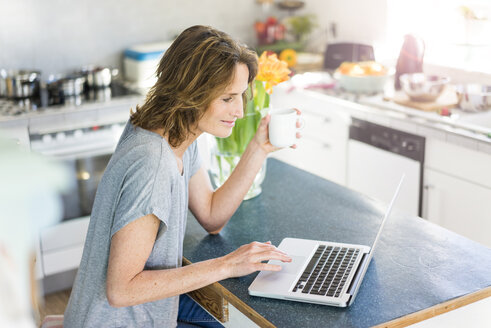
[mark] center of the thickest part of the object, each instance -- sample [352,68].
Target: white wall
[61,35]
[356,20]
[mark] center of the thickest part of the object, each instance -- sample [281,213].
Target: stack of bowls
[474,97]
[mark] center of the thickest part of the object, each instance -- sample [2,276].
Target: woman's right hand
[248,259]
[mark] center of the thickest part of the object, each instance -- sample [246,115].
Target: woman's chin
[223,134]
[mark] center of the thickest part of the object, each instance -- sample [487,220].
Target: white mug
[283,127]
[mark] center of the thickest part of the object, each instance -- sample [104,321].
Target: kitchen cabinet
[457,190]
[456,179]
[62,245]
[322,148]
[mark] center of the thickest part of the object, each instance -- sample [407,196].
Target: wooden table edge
[403,321]
[437,309]
[234,300]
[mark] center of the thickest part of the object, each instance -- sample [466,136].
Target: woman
[131,274]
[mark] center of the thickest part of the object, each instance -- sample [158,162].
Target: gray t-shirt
[141,178]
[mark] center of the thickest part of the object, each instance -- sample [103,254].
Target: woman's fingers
[265,120]
[248,258]
[268,267]
[273,256]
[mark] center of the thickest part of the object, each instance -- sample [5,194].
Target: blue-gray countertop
[416,265]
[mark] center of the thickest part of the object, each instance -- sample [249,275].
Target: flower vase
[226,153]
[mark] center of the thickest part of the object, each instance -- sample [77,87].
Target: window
[457,33]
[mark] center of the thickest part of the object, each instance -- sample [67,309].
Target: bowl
[362,77]
[423,88]
[474,97]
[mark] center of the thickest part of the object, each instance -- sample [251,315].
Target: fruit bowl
[362,77]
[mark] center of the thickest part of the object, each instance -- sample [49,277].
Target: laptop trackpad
[292,267]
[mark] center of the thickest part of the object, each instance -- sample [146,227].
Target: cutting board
[448,99]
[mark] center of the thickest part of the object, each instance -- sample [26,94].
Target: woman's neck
[181,149]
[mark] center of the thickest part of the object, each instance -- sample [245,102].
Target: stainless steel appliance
[86,152]
[378,156]
[83,138]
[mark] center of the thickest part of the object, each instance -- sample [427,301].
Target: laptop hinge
[359,273]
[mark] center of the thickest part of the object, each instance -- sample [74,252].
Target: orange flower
[272,71]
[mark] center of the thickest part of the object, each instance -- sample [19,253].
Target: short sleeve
[195,159]
[137,196]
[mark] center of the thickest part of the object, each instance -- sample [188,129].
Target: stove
[46,101]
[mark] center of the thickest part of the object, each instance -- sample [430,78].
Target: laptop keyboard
[327,271]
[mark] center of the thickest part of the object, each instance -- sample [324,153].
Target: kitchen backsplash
[56,36]
[59,35]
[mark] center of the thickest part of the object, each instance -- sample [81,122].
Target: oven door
[85,173]
[86,154]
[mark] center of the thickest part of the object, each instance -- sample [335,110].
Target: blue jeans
[192,315]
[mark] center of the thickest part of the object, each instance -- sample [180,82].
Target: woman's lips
[229,123]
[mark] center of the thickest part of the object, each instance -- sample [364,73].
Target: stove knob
[60,136]
[78,133]
[47,138]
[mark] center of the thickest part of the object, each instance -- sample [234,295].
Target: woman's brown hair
[195,70]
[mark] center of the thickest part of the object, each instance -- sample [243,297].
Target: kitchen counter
[61,118]
[419,270]
[470,130]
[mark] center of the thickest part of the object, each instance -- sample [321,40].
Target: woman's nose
[239,111]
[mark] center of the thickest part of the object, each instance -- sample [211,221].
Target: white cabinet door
[62,245]
[325,158]
[322,149]
[458,205]
[375,172]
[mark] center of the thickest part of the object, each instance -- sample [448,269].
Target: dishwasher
[378,156]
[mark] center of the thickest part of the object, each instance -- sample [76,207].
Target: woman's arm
[214,209]
[129,284]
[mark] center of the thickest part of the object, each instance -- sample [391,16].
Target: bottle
[410,58]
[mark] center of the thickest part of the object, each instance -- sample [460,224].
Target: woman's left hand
[262,134]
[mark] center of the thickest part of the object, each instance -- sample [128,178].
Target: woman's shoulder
[138,152]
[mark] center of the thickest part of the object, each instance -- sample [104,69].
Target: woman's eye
[227,99]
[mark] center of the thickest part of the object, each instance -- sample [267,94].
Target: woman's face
[219,118]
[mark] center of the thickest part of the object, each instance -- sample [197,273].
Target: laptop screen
[387,213]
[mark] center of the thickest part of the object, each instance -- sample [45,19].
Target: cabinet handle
[432,210]
[426,200]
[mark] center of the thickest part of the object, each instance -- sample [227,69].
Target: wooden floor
[54,304]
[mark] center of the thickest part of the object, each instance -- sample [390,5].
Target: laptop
[321,272]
